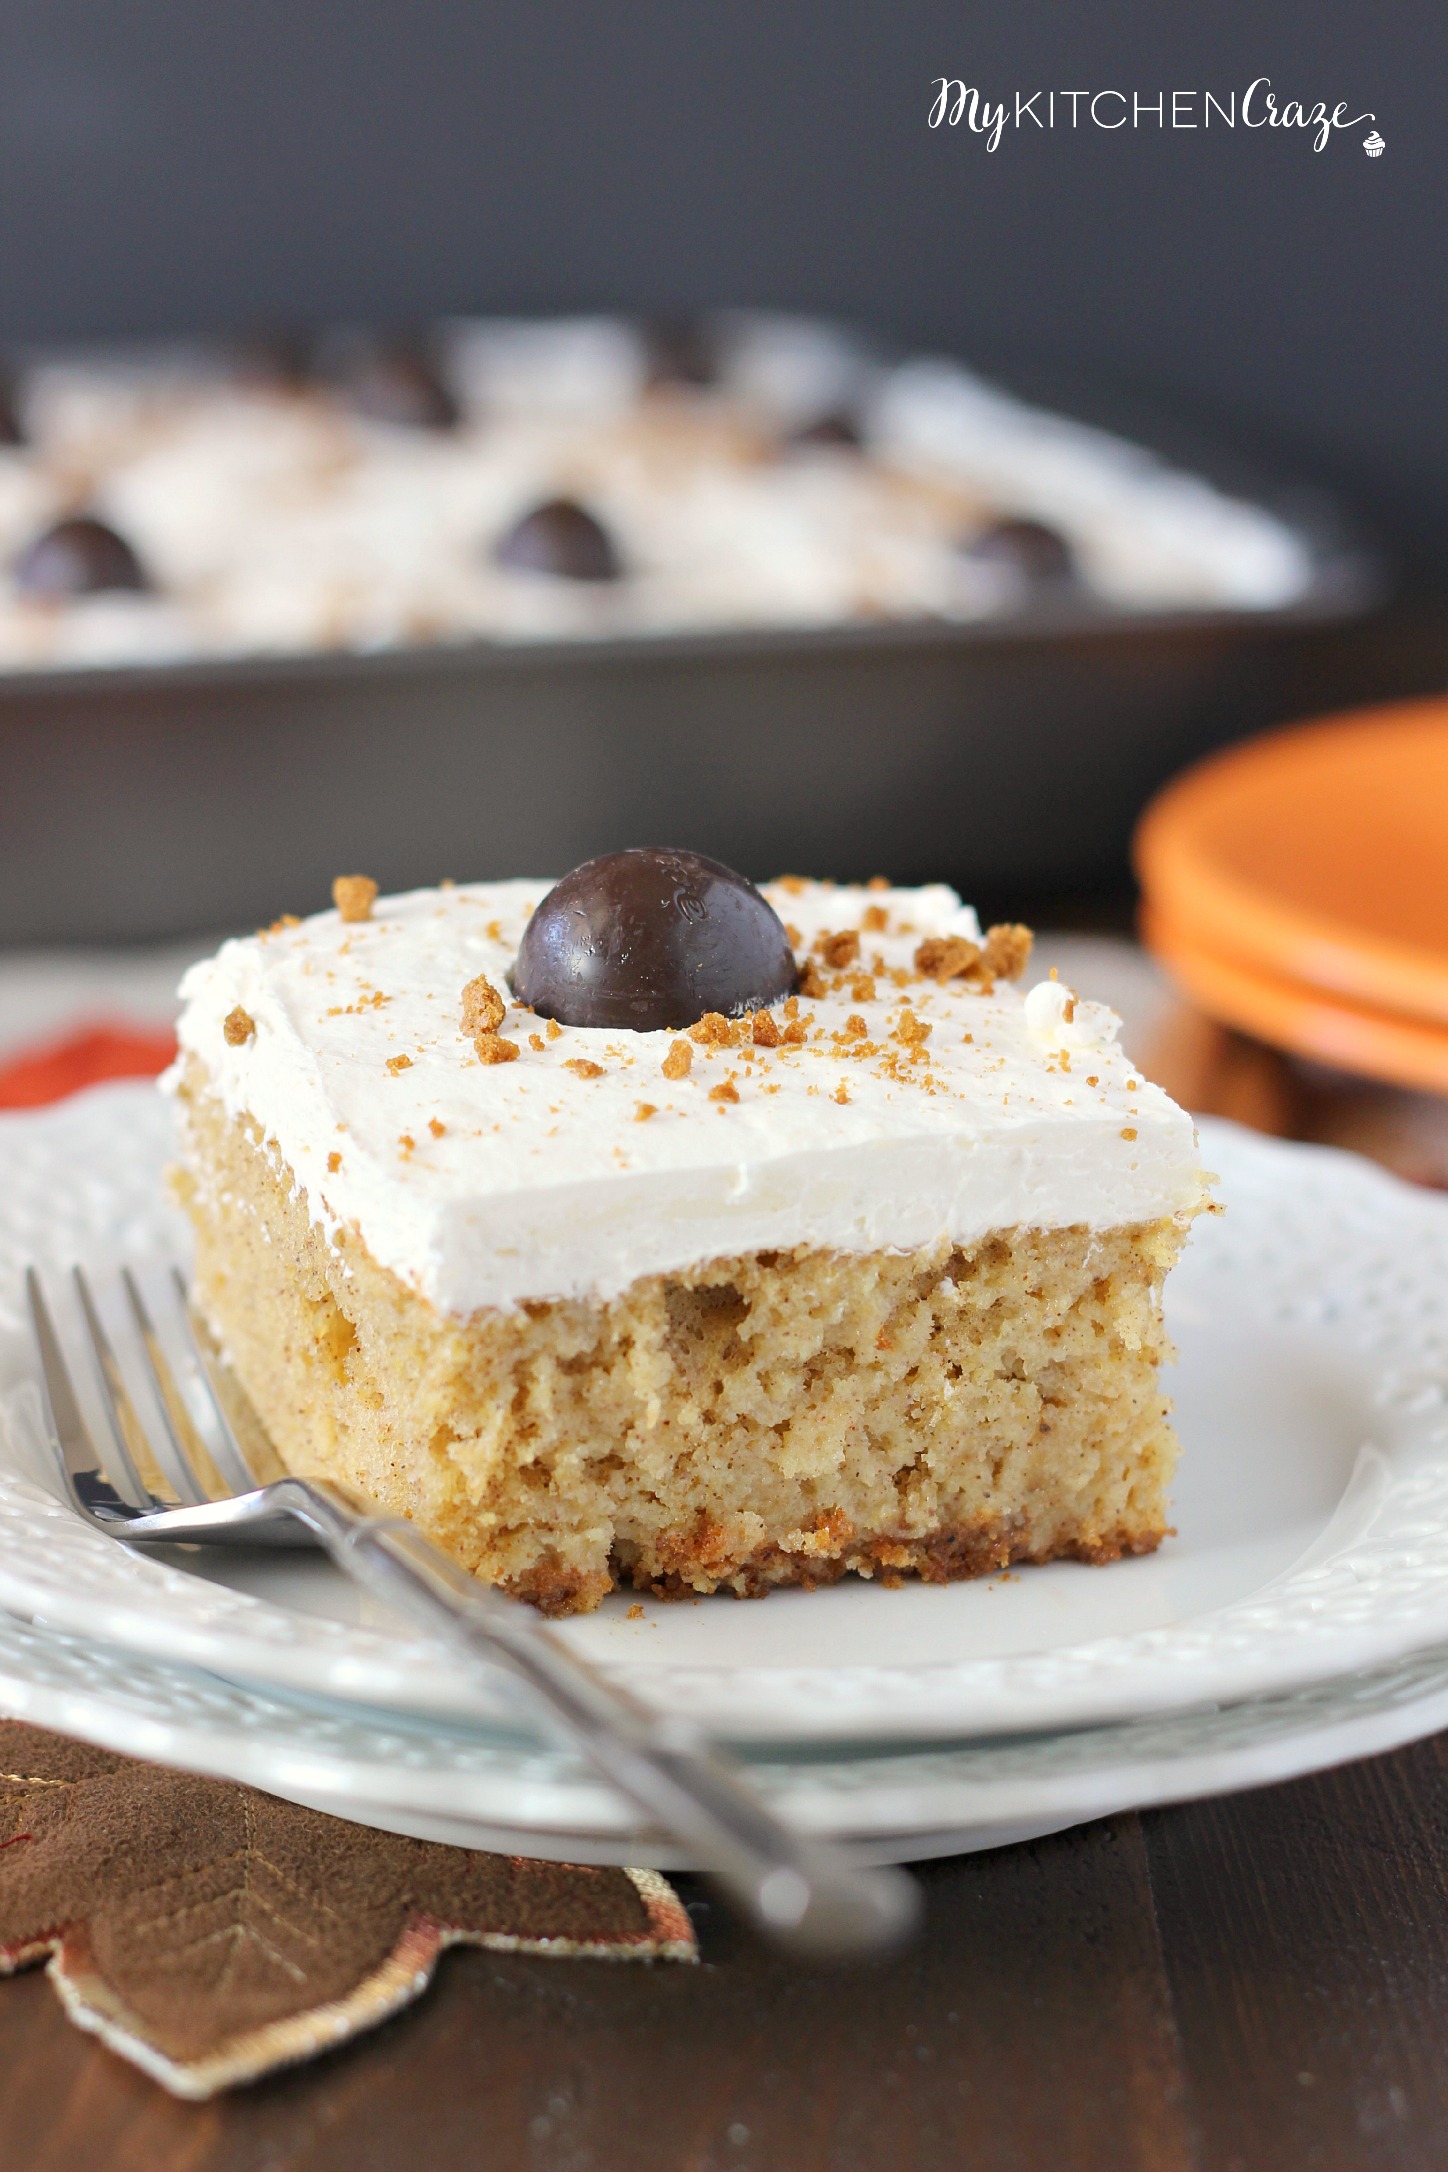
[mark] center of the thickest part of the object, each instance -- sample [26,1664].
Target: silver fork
[803,1891]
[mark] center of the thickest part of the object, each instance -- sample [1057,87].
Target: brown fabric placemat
[210,1933]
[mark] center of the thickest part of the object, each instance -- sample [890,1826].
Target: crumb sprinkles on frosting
[854,1114]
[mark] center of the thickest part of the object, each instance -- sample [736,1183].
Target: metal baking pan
[1010,757]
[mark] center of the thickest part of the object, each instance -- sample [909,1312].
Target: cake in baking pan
[572,480]
[653,1230]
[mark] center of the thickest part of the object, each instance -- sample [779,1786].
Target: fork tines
[139,1424]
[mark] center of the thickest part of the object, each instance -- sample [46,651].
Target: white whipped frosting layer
[485,1185]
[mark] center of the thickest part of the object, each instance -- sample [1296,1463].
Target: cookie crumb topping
[947,957]
[839,950]
[492,1048]
[483,1007]
[1008,949]
[354,896]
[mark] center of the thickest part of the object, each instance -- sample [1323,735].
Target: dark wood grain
[1136,1994]
[1305,1932]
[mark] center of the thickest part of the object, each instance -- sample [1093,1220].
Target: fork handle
[802,1890]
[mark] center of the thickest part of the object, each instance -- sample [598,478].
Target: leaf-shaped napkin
[210,1933]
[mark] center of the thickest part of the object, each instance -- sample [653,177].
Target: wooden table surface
[1258,1982]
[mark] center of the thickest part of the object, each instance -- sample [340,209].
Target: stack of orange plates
[1297,887]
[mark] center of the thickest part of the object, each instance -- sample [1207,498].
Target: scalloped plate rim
[940,1800]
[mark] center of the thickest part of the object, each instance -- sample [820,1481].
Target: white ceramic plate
[895,1805]
[1312,1502]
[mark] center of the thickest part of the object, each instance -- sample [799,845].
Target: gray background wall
[175,163]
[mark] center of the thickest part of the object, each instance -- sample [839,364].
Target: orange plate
[1291,1015]
[1316,857]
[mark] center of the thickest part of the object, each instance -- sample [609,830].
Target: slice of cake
[659,1232]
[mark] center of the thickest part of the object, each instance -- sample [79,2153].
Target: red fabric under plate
[85,1058]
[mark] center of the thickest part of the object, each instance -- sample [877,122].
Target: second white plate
[897,1805]
[1311,1506]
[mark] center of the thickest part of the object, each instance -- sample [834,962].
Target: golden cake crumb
[334,1162]
[1129,1132]
[354,896]
[635,1612]
[793,935]
[714,1031]
[399,1063]
[911,1030]
[863,989]
[763,1031]
[840,950]
[841,1092]
[812,984]
[535,1042]
[794,884]
[947,957]
[724,1091]
[643,1110]
[1008,949]
[555,1031]
[678,1060]
[583,1067]
[436,1126]
[483,1007]
[875,920]
[492,1048]
[483,1010]
[240,1026]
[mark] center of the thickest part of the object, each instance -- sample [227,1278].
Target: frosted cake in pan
[575,480]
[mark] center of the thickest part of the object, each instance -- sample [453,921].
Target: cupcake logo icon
[1373,144]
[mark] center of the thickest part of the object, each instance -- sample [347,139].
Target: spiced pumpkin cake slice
[655,1230]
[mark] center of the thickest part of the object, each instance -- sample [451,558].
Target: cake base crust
[778,1418]
[946,1557]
